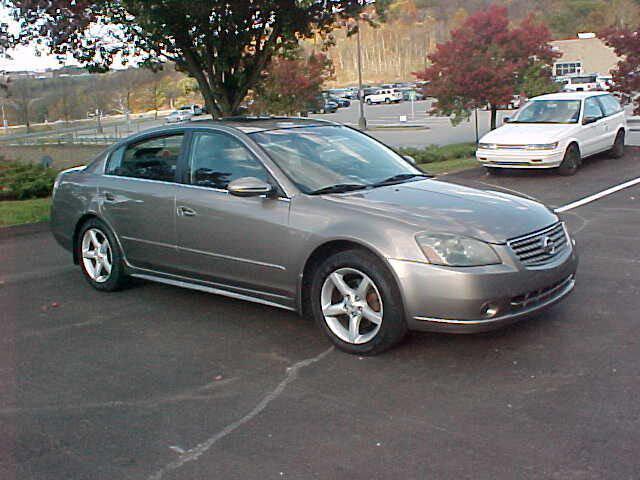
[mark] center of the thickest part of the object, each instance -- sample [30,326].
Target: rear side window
[592,108]
[610,105]
[152,159]
[216,159]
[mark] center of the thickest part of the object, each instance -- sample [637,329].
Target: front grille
[542,247]
[536,297]
[510,147]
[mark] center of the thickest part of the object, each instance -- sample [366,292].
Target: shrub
[21,181]
[434,153]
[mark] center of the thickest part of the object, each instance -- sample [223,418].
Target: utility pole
[362,121]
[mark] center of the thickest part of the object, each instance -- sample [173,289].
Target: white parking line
[597,196]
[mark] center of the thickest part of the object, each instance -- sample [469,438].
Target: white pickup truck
[385,95]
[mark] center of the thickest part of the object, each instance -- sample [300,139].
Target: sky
[24,57]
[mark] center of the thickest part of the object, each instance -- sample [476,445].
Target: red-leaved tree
[292,84]
[626,76]
[486,62]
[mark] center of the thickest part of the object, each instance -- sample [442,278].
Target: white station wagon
[385,95]
[556,131]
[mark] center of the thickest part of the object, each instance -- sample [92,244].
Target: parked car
[324,105]
[313,217]
[340,93]
[193,108]
[385,95]
[407,92]
[341,101]
[582,83]
[178,116]
[556,131]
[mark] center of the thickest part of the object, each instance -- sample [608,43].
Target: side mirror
[410,159]
[506,119]
[588,120]
[249,187]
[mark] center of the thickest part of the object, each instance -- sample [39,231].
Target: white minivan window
[610,105]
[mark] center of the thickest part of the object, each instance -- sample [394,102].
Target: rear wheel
[368,101]
[571,161]
[356,302]
[387,100]
[100,257]
[617,151]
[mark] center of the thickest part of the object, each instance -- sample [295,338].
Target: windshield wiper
[339,188]
[400,178]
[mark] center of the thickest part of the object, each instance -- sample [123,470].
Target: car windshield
[549,111]
[317,158]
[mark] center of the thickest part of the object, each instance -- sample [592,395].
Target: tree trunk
[494,117]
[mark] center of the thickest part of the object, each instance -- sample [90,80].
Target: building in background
[586,54]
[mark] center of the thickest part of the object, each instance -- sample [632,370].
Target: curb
[22,230]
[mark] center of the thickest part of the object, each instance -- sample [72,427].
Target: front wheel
[356,302]
[387,101]
[571,161]
[100,257]
[617,151]
[368,101]
[494,170]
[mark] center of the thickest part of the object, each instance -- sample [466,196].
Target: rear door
[593,135]
[237,241]
[137,196]
[614,116]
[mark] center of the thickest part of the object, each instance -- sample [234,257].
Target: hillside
[413,27]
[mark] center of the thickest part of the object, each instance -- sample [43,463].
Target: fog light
[489,310]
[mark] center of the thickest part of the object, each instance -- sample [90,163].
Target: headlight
[543,146]
[487,146]
[456,251]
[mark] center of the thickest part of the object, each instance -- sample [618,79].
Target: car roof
[570,95]
[260,124]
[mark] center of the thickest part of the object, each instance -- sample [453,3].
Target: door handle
[186,212]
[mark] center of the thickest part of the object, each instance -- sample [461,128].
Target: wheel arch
[76,233]
[322,252]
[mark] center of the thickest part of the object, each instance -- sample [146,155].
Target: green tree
[224,46]
[536,80]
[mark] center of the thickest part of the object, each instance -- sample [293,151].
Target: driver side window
[216,159]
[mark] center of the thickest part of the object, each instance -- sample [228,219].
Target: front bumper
[520,158]
[478,299]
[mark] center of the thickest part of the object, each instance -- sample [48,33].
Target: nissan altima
[313,217]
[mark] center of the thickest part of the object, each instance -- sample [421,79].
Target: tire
[617,151]
[380,300]
[368,101]
[571,161]
[387,101]
[95,236]
[494,170]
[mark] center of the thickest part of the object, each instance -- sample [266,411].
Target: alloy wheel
[351,305]
[97,256]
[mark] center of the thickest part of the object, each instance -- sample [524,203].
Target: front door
[223,238]
[138,199]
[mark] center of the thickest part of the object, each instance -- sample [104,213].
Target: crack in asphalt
[195,452]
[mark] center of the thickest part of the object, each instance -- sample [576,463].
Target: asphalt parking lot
[157,382]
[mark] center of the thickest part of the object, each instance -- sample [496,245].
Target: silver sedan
[313,217]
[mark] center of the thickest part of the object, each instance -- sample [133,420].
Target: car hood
[441,207]
[528,133]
